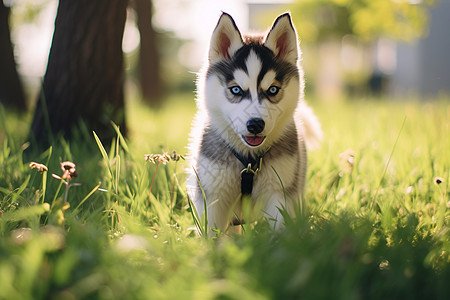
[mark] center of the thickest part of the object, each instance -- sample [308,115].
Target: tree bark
[149,59]
[11,90]
[84,79]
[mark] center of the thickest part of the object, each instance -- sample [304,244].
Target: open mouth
[253,140]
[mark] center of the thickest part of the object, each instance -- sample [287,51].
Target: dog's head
[253,83]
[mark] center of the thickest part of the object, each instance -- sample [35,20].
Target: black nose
[255,125]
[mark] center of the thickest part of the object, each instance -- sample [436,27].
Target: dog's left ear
[282,39]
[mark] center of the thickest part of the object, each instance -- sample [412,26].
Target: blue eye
[235,90]
[273,90]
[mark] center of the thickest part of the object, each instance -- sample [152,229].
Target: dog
[248,138]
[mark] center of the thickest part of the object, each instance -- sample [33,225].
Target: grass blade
[195,216]
[87,197]
[205,210]
[44,185]
[120,137]
[21,188]
[104,154]
[117,163]
[389,161]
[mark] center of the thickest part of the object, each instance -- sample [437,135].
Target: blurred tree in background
[84,78]
[149,69]
[366,19]
[11,90]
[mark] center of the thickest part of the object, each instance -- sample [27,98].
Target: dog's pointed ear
[226,39]
[282,39]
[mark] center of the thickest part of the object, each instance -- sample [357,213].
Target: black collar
[251,167]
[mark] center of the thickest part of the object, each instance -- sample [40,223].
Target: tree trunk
[11,90]
[84,77]
[149,60]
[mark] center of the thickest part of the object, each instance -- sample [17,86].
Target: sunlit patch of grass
[167,128]
[127,230]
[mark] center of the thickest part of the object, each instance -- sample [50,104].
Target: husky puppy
[247,138]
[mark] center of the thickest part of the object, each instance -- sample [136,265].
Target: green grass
[377,226]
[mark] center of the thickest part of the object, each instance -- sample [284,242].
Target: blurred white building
[423,67]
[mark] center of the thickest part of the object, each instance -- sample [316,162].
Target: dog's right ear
[226,39]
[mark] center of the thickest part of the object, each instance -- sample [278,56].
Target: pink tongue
[254,140]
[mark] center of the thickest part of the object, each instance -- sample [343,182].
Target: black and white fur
[250,99]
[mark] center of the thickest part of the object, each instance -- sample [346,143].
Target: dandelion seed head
[150,158]
[69,170]
[164,158]
[40,167]
[157,158]
[67,165]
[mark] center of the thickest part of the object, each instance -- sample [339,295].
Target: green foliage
[377,225]
[367,19]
